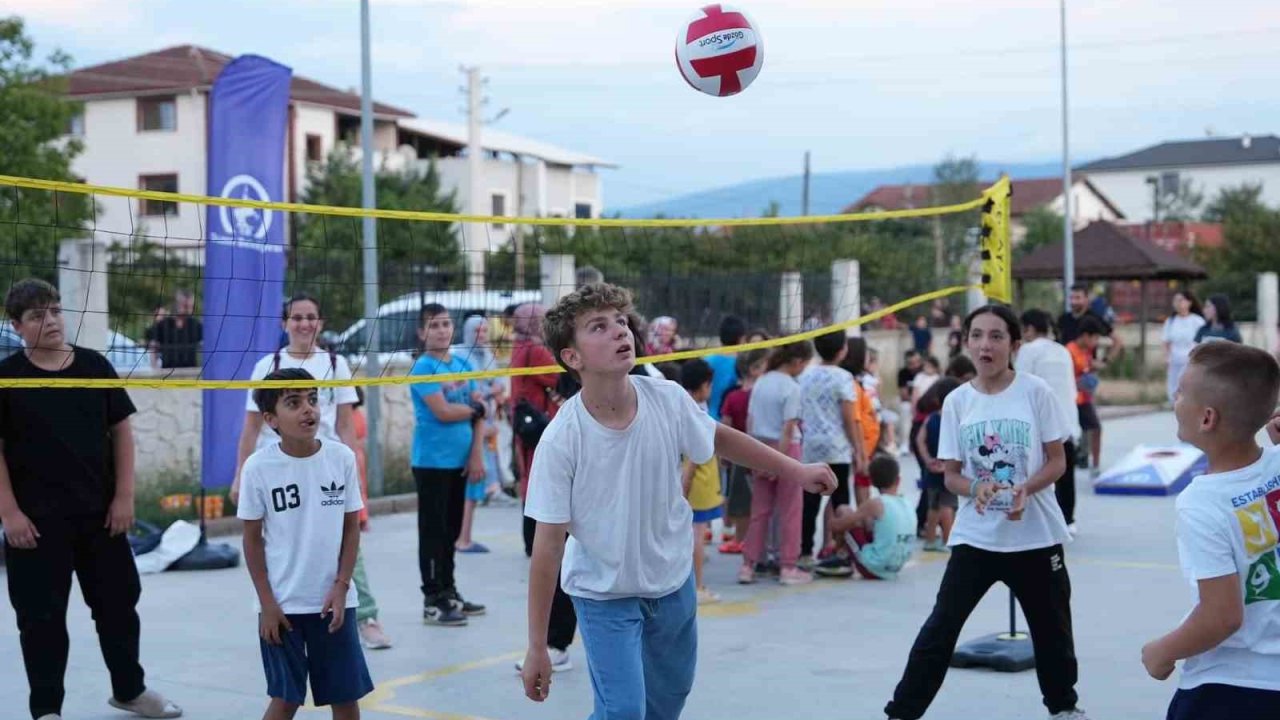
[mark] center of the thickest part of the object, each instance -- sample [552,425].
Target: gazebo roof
[1105,252]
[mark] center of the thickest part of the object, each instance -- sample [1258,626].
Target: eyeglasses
[304,318]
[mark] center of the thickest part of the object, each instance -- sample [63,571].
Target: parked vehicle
[398,322]
[125,355]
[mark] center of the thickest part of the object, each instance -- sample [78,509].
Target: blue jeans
[641,653]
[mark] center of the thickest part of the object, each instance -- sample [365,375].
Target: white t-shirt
[1180,333]
[1228,524]
[1051,362]
[921,383]
[775,399]
[303,503]
[620,492]
[322,366]
[823,390]
[1000,438]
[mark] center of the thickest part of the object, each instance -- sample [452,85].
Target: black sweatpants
[1065,488]
[441,498]
[813,503]
[40,588]
[1223,702]
[1039,580]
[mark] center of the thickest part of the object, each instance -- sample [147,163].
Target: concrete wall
[116,153]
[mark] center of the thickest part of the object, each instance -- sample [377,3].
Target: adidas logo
[334,494]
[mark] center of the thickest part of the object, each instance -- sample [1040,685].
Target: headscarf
[479,356]
[656,345]
[527,321]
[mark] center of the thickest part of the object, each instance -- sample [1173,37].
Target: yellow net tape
[996,284]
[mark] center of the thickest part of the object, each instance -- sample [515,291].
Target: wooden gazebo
[1105,252]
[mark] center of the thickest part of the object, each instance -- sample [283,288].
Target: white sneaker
[50,716]
[372,635]
[1072,529]
[1072,714]
[559,661]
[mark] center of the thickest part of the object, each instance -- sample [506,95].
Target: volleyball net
[120,257]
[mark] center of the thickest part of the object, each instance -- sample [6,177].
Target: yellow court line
[380,699]
[199,384]
[335,211]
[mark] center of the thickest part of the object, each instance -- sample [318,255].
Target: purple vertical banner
[244,250]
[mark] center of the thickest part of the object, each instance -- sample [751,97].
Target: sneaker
[827,552]
[1071,528]
[795,576]
[768,568]
[466,607]
[1072,714]
[706,597]
[474,548]
[731,547]
[746,575]
[835,566]
[935,545]
[50,716]
[441,611]
[805,562]
[559,661]
[372,636]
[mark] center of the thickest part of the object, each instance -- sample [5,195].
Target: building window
[157,113]
[75,124]
[158,183]
[498,204]
[582,211]
[314,151]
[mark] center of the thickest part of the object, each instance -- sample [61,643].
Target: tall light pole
[1068,240]
[370,256]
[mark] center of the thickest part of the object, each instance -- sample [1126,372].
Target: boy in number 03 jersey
[300,502]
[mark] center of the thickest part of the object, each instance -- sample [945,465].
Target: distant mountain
[829,193]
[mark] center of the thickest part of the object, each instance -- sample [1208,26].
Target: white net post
[1269,311]
[558,277]
[82,282]
[791,307]
[846,294]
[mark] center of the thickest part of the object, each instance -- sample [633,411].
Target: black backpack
[528,423]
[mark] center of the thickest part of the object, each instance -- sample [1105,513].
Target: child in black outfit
[66,502]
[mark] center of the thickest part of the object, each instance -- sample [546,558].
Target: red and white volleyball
[719,51]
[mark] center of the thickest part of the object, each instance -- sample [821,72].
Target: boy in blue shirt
[448,450]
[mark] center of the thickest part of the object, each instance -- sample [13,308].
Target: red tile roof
[185,67]
[1027,196]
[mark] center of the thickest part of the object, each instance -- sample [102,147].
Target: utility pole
[1068,229]
[369,253]
[804,197]
[476,235]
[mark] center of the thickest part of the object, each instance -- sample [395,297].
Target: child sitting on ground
[1227,527]
[701,482]
[879,533]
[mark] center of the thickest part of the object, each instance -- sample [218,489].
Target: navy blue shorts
[335,662]
[1224,702]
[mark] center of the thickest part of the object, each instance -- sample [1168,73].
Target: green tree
[1250,231]
[1181,205]
[325,254]
[1044,227]
[34,118]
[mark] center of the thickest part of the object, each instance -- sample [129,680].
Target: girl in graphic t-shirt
[1001,447]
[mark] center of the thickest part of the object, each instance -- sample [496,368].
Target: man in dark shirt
[1069,325]
[66,502]
[175,340]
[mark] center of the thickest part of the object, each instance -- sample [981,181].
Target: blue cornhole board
[1152,470]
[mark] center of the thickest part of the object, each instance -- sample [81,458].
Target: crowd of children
[629,476]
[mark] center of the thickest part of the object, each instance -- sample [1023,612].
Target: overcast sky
[863,84]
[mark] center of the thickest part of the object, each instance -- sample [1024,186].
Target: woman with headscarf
[662,336]
[476,350]
[539,391]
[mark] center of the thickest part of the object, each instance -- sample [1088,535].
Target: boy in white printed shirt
[300,500]
[607,472]
[1228,526]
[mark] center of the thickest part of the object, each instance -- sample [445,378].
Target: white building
[1133,181]
[144,125]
